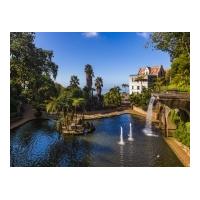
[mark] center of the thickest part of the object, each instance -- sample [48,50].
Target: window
[132,87]
[132,79]
[138,87]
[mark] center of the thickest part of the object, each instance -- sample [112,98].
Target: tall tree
[30,67]
[89,75]
[78,102]
[99,85]
[113,97]
[175,43]
[74,81]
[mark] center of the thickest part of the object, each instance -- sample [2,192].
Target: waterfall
[147,130]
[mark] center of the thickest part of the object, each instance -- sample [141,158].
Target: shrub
[141,99]
[182,133]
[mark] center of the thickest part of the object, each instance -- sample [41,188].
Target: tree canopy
[74,81]
[31,69]
[113,97]
[177,44]
[174,43]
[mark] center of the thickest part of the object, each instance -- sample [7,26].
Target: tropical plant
[182,132]
[78,102]
[74,81]
[141,99]
[113,97]
[180,71]
[99,85]
[177,44]
[89,75]
[53,105]
[159,82]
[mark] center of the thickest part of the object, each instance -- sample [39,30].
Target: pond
[37,143]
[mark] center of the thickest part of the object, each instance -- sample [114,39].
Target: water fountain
[130,137]
[121,142]
[147,130]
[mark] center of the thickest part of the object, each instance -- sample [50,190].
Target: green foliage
[180,71]
[89,74]
[113,97]
[182,132]
[177,44]
[74,92]
[31,69]
[141,99]
[15,97]
[175,116]
[159,82]
[86,92]
[173,87]
[78,102]
[13,105]
[59,89]
[99,85]
[74,82]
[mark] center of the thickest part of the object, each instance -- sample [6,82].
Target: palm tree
[53,105]
[66,105]
[61,106]
[99,85]
[89,74]
[78,102]
[74,81]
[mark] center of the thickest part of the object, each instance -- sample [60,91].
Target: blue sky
[114,56]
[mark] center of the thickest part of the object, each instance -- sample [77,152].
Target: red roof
[152,70]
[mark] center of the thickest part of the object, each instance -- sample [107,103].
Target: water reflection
[121,153]
[37,143]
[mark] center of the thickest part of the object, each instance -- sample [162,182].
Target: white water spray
[121,142]
[148,130]
[130,137]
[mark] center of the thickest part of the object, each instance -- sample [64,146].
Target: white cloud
[90,34]
[144,34]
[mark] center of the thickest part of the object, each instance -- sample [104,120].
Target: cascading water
[147,130]
[121,142]
[130,137]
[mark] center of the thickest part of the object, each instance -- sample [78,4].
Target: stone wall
[144,113]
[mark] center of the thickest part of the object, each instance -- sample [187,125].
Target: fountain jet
[130,137]
[121,142]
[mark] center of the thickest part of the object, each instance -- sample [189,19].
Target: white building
[145,78]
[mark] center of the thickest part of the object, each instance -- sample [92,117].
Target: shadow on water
[37,143]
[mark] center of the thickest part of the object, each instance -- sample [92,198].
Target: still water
[37,143]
